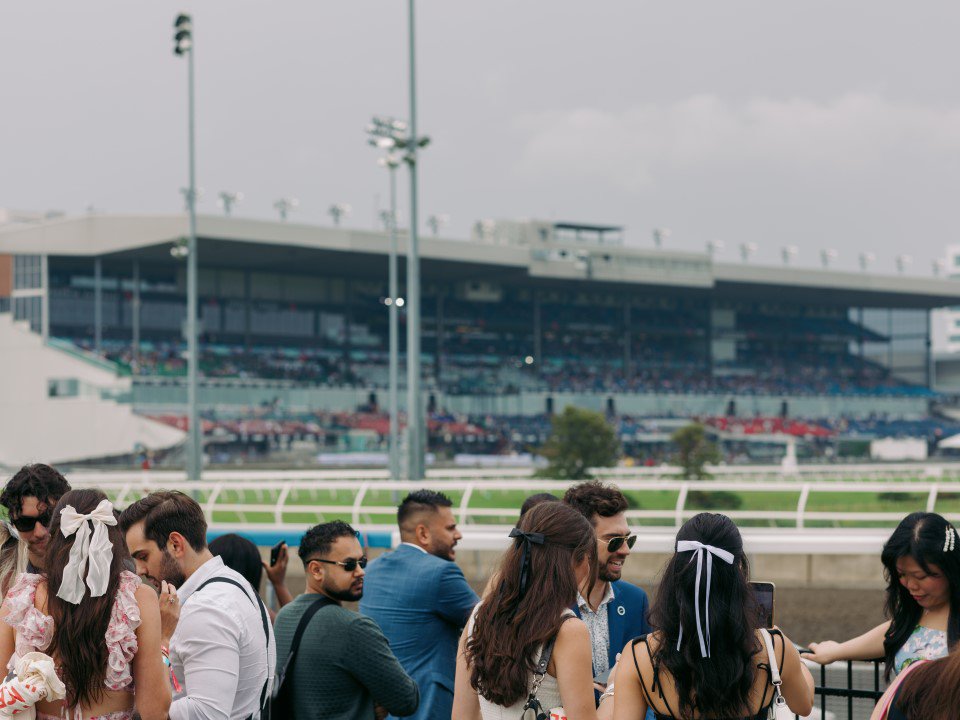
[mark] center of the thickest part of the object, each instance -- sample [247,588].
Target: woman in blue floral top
[922,565]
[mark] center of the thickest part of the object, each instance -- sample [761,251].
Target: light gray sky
[818,124]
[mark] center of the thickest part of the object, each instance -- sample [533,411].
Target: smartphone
[763,591]
[275,552]
[603,677]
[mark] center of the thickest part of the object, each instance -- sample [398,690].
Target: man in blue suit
[615,611]
[421,600]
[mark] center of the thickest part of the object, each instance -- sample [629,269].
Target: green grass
[510,500]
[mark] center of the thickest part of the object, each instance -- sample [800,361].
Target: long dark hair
[922,536]
[78,645]
[509,628]
[932,691]
[719,685]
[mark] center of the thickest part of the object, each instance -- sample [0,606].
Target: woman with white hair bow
[97,621]
[709,658]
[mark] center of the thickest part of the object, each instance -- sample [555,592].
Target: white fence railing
[485,498]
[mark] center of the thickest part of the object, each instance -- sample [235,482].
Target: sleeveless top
[34,629]
[548,694]
[923,644]
[761,714]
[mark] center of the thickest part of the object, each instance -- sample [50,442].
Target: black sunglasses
[348,565]
[26,523]
[615,543]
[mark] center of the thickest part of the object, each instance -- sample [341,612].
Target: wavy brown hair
[78,646]
[509,628]
[932,691]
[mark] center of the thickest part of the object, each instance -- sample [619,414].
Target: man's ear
[177,545]
[423,534]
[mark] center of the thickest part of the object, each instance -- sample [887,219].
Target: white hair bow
[704,556]
[98,552]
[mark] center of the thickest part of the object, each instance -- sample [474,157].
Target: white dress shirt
[218,651]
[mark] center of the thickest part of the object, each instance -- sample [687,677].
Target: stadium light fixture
[435,222]
[714,247]
[183,45]
[404,136]
[338,211]
[228,200]
[866,259]
[659,235]
[746,250]
[827,256]
[903,261]
[788,253]
[284,206]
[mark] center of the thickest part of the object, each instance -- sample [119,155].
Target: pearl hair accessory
[950,540]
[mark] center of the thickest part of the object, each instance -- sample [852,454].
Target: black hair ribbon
[526,538]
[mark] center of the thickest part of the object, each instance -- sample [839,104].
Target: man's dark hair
[41,481]
[419,501]
[164,512]
[320,538]
[535,500]
[594,498]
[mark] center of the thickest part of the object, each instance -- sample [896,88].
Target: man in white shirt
[222,653]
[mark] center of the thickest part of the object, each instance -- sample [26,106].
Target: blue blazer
[626,617]
[421,603]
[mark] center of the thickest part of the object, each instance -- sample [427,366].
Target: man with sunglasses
[343,666]
[29,498]
[614,611]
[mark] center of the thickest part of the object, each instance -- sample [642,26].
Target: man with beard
[29,498]
[222,653]
[343,666]
[421,600]
[614,611]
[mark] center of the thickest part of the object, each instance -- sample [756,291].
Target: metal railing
[850,701]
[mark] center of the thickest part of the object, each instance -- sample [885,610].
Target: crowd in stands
[570,364]
[113,614]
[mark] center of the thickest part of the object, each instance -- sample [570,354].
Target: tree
[580,439]
[695,450]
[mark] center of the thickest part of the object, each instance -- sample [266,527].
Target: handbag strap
[775,679]
[541,668]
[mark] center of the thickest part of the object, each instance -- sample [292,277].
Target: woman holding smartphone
[708,657]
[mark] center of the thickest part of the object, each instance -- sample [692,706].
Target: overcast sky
[817,124]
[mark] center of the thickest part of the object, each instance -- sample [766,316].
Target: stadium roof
[291,247]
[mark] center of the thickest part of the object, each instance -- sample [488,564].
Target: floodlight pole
[415,435]
[194,434]
[393,291]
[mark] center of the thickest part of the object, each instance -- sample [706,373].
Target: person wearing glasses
[614,610]
[421,600]
[344,666]
[221,651]
[29,498]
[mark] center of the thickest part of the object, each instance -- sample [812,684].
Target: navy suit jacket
[421,602]
[626,617]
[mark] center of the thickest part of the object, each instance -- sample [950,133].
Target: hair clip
[950,540]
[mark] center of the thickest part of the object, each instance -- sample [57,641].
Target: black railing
[859,701]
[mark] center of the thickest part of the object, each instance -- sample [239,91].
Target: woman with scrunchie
[554,550]
[95,619]
[921,562]
[708,658]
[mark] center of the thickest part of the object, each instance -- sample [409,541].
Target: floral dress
[923,644]
[34,631]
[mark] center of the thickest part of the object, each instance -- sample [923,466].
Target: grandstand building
[521,319]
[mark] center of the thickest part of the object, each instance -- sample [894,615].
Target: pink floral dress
[34,630]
